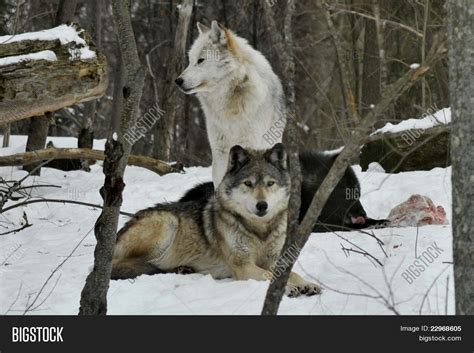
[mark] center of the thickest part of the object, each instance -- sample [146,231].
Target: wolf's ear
[277,156]
[202,28]
[217,33]
[238,157]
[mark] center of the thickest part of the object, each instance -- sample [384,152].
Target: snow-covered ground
[43,267]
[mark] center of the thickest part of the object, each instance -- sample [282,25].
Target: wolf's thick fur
[240,95]
[238,232]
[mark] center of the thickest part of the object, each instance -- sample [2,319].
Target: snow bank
[441,117]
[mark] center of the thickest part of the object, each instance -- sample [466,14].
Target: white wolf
[241,96]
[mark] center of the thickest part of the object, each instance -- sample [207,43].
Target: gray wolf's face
[257,183]
[212,59]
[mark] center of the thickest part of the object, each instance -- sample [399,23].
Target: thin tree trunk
[344,71]
[461,86]
[39,127]
[66,10]
[273,298]
[426,13]
[86,135]
[37,134]
[117,149]
[6,135]
[173,104]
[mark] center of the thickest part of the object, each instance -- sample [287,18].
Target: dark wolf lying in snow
[343,209]
[237,232]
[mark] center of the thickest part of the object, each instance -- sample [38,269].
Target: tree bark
[86,135]
[39,127]
[66,11]
[37,134]
[94,294]
[287,65]
[173,100]
[32,88]
[461,86]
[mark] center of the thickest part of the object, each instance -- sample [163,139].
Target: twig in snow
[429,289]
[58,201]
[14,301]
[28,308]
[11,254]
[446,299]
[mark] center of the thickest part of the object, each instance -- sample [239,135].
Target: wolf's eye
[271,183]
[248,183]
[200,60]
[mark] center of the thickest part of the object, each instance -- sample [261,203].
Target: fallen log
[48,70]
[409,150]
[26,158]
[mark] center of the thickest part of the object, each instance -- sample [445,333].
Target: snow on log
[48,70]
[413,144]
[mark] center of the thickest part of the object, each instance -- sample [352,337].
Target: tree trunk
[39,127]
[6,135]
[37,134]
[173,100]
[94,294]
[66,11]
[461,86]
[284,46]
[86,135]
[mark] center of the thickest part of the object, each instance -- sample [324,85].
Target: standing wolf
[240,94]
[238,232]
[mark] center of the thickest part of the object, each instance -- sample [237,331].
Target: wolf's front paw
[292,291]
[184,270]
[308,289]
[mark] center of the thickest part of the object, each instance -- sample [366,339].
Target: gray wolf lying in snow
[238,232]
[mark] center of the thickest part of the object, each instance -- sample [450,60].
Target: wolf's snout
[262,207]
[179,81]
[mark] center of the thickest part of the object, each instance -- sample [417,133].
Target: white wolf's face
[211,60]
[257,183]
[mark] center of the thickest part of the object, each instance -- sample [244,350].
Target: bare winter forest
[90,89]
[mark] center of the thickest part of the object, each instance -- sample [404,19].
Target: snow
[334,151]
[65,34]
[41,55]
[429,120]
[353,284]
